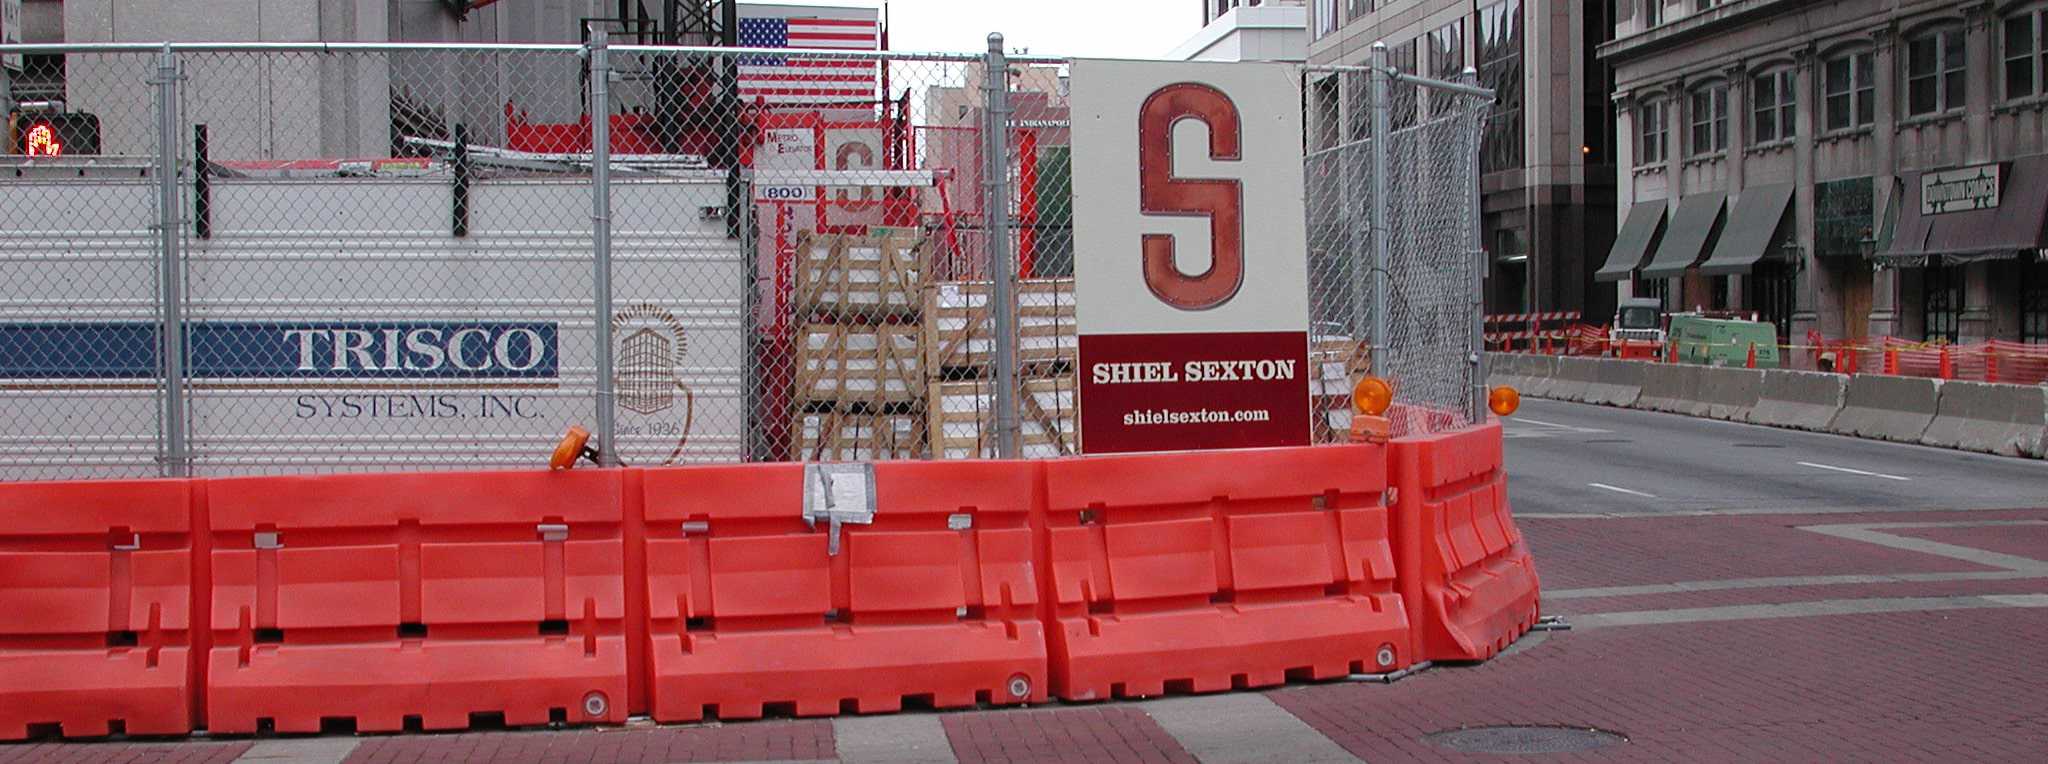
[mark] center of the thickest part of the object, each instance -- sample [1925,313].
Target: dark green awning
[1693,228]
[1753,228]
[1637,238]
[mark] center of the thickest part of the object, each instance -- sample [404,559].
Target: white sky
[1089,28]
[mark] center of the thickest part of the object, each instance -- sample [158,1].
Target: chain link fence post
[1002,269]
[171,271]
[1382,136]
[601,238]
[1475,357]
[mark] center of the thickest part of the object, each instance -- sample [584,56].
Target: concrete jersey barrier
[1672,388]
[1573,378]
[2011,420]
[1802,400]
[1616,383]
[1888,408]
[1729,394]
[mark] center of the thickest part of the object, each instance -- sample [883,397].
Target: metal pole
[1381,134]
[1352,215]
[1002,272]
[601,237]
[171,271]
[1475,343]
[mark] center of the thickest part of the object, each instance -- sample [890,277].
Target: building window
[1357,105]
[2026,54]
[1405,96]
[1500,70]
[1934,72]
[1704,5]
[1775,99]
[1851,92]
[1655,132]
[1653,13]
[1323,99]
[1354,9]
[1324,19]
[1942,300]
[2034,302]
[1709,120]
[1446,61]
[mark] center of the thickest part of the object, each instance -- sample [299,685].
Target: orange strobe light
[575,445]
[1503,400]
[1372,396]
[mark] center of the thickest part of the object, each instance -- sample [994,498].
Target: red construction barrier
[932,603]
[1205,571]
[95,601]
[1466,576]
[435,597]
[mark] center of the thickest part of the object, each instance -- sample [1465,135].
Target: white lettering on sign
[1964,190]
[423,349]
[1263,370]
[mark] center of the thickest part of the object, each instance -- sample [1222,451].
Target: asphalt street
[1571,458]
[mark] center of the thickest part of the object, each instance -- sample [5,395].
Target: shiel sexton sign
[1190,270]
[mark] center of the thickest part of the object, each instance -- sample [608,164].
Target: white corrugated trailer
[337,323]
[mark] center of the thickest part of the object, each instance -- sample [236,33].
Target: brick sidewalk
[1878,636]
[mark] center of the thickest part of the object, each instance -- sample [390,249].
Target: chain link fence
[278,258]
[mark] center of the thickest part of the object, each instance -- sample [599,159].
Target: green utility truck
[1723,341]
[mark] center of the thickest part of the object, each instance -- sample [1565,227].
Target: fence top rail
[474,47]
[1404,77]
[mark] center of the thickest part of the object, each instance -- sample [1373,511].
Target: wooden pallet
[1335,365]
[837,436]
[961,419]
[844,275]
[959,327]
[855,363]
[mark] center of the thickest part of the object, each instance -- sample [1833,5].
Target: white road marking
[1852,472]
[1987,558]
[1618,489]
[911,738]
[1807,609]
[1242,727]
[1567,427]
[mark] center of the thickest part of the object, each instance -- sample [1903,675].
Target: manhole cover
[1524,739]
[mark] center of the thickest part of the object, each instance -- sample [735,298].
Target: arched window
[2025,51]
[1773,106]
[1709,119]
[1934,70]
[1848,90]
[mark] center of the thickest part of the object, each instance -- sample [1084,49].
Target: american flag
[804,80]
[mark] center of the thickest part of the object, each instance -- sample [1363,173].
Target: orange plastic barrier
[933,602]
[1467,577]
[384,598]
[95,597]
[1204,571]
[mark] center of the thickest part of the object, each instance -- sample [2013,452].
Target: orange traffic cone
[1751,363]
[1948,367]
[1672,355]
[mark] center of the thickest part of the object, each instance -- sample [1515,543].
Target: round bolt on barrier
[1020,686]
[1511,739]
[1386,656]
[595,705]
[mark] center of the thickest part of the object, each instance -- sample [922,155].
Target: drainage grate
[1511,739]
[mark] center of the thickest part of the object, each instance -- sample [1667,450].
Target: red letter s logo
[1160,193]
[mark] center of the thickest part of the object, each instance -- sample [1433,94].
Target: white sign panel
[1190,270]
[1964,190]
[10,32]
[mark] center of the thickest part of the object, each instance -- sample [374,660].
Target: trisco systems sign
[310,350]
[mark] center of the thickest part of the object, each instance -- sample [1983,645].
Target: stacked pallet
[859,383]
[1335,365]
[959,346]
